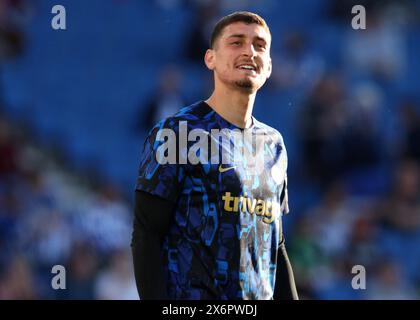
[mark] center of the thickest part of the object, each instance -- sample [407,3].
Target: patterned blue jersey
[227,226]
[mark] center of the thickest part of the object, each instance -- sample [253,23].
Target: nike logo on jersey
[221,169]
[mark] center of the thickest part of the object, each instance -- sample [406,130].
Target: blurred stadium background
[75,106]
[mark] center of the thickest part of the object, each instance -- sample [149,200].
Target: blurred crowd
[367,171]
[356,137]
[49,216]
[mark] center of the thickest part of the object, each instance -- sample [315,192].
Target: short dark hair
[239,16]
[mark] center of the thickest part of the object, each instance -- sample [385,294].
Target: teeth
[247,67]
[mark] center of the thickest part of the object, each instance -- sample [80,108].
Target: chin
[247,85]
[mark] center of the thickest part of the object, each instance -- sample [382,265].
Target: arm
[285,288]
[153,216]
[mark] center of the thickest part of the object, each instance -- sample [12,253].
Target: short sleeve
[159,174]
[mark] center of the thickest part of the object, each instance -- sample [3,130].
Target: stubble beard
[246,85]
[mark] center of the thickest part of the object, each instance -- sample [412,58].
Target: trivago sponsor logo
[245,204]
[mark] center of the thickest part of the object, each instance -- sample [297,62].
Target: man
[208,226]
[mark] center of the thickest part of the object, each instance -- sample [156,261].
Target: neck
[234,106]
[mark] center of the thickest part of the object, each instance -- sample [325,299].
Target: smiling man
[213,229]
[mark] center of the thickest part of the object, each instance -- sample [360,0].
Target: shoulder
[273,133]
[188,115]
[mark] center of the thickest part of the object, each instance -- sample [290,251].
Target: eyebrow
[240,35]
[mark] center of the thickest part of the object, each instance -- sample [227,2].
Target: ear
[209,58]
[269,69]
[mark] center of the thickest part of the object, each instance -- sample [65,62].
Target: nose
[249,50]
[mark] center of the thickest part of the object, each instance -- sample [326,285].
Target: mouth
[249,67]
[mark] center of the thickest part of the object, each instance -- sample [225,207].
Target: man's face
[241,56]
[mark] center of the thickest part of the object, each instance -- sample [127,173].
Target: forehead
[251,31]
